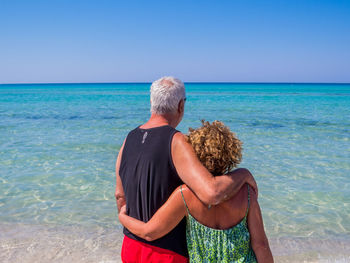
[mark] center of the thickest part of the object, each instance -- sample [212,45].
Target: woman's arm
[259,241]
[163,221]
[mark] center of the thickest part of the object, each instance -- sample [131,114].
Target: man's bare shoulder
[179,137]
[120,153]
[180,141]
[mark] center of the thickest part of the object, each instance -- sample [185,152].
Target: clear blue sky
[122,41]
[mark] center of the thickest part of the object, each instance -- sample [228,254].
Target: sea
[59,143]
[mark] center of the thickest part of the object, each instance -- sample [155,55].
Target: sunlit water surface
[58,146]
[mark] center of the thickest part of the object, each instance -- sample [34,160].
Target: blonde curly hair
[218,149]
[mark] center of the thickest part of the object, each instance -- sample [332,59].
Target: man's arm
[119,191]
[209,189]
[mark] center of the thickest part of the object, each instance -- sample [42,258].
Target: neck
[160,120]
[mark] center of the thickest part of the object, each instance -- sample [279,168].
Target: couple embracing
[177,195]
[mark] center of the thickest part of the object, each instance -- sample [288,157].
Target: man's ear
[181,106]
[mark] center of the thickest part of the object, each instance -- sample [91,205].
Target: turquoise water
[58,146]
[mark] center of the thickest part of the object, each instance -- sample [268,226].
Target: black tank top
[149,177]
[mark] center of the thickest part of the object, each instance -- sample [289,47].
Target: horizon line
[185,82]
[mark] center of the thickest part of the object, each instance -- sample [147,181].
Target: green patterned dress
[207,244]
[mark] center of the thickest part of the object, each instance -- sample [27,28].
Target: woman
[232,231]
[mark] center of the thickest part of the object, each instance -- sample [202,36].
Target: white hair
[166,93]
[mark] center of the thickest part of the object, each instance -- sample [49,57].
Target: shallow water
[58,145]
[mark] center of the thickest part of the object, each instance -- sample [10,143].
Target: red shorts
[135,251]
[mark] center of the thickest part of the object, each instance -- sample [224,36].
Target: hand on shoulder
[249,178]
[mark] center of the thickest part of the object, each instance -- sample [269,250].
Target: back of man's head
[166,93]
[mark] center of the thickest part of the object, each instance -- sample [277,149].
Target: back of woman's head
[218,149]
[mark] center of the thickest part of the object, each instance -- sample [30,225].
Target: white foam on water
[38,243]
[310,250]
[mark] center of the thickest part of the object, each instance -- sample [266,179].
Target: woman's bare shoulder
[242,193]
[239,202]
[186,191]
[191,199]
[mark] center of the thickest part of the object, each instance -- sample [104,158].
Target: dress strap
[183,198]
[248,202]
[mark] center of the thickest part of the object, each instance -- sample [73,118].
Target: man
[153,161]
